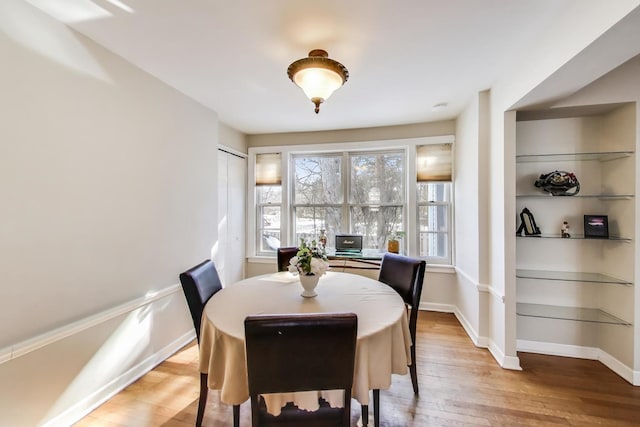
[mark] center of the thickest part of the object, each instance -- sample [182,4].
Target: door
[230,254]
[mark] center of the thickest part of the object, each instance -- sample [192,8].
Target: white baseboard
[443,308]
[478,341]
[83,407]
[580,352]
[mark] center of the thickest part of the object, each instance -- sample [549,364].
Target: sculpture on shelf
[564,230]
[322,239]
[558,183]
[527,224]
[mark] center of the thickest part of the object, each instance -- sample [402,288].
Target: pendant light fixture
[318,76]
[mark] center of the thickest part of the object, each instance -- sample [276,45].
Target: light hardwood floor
[460,385]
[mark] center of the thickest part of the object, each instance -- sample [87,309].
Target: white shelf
[576,237]
[579,314]
[570,276]
[563,157]
[579,196]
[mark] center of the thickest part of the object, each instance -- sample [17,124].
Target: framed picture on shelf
[596,227]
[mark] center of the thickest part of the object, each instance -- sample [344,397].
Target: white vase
[309,284]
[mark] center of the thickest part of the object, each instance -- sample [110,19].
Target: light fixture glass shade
[318,82]
[318,76]
[434,163]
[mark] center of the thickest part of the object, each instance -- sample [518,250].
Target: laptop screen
[348,243]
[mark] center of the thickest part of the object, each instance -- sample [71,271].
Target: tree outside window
[375,195]
[317,195]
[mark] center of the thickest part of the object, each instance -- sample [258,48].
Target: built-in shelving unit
[569,289]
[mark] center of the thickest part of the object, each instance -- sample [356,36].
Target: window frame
[260,231]
[410,214]
[436,260]
[346,205]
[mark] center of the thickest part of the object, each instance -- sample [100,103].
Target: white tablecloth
[383,346]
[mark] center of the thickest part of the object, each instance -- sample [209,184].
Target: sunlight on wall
[69,11]
[117,355]
[217,256]
[121,5]
[39,33]
[219,250]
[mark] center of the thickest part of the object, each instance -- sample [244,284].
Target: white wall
[232,138]
[467,191]
[445,127]
[471,218]
[108,183]
[467,218]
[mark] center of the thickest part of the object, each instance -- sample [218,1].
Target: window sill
[431,268]
[441,268]
[262,259]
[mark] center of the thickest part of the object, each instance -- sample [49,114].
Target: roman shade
[268,169]
[434,163]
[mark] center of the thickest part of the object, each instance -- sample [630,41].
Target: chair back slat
[200,283]
[301,352]
[405,275]
[284,255]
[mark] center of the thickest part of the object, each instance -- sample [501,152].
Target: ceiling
[403,57]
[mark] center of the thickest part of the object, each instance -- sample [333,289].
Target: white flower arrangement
[311,259]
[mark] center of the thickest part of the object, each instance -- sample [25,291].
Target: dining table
[383,339]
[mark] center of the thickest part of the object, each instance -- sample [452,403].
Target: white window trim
[407,144]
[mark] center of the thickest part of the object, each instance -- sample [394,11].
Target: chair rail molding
[47,338]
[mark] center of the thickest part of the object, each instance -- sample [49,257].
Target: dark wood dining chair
[284,255]
[199,284]
[406,276]
[300,352]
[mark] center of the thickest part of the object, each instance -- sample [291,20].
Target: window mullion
[346,193]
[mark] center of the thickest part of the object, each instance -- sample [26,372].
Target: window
[318,195]
[374,204]
[434,176]
[268,198]
[387,187]
[434,216]
[376,196]
[269,203]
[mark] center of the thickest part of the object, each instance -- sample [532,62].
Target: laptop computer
[348,244]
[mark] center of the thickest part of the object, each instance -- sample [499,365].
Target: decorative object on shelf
[323,237]
[318,76]
[564,230]
[558,183]
[596,227]
[528,224]
[309,263]
[393,242]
